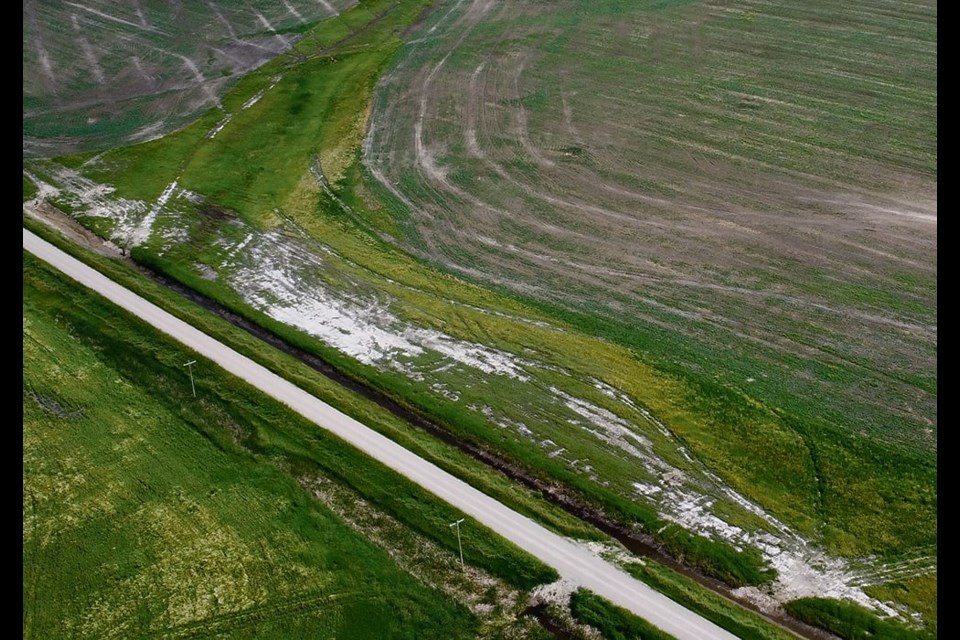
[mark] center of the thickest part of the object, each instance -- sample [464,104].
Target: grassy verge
[29,189]
[613,622]
[722,612]
[240,420]
[851,621]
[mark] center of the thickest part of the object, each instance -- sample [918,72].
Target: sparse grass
[613,622]
[77,125]
[29,189]
[745,135]
[851,621]
[139,71]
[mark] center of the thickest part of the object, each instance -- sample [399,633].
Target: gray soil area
[98,74]
[669,170]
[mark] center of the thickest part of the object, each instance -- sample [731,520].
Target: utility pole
[459,544]
[189,366]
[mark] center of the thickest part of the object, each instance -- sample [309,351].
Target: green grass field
[149,512]
[29,189]
[613,622]
[919,593]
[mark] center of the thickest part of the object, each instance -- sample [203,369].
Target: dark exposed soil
[542,614]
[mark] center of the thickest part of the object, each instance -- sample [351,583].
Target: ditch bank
[640,544]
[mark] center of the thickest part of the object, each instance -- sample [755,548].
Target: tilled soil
[599,164]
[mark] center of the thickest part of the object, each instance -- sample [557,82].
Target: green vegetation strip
[29,189]
[851,621]
[919,593]
[613,622]
[722,612]
[242,421]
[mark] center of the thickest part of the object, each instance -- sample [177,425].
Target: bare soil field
[760,179]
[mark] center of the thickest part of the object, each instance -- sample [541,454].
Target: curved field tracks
[746,194]
[99,73]
[759,179]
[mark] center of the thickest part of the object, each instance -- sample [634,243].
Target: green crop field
[677,259]
[151,513]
